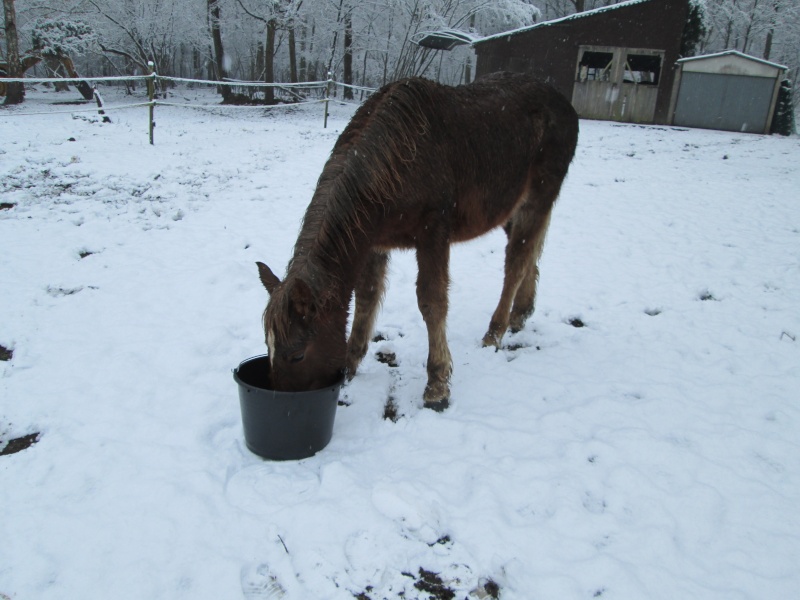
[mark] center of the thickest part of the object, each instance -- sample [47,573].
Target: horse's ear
[267,277]
[302,299]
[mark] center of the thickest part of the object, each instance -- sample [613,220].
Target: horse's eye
[297,357]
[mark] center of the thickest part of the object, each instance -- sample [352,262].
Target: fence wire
[326,86]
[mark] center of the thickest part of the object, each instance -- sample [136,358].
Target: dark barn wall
[550,52]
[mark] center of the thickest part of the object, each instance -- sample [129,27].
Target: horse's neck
[330,262]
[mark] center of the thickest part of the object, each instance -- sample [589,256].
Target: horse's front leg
[433,257]
[369,293]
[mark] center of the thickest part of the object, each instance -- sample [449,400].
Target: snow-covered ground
[653,452]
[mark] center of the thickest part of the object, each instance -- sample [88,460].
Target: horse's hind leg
[526,232]
[369,293]
[525,300]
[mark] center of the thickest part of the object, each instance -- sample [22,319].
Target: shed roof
[573,17]
[732,53]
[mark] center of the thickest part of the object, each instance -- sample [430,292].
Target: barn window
[644,69]
[595,66]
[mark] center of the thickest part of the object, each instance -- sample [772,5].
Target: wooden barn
[614,63]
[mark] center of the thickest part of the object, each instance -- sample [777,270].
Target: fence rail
[325,86]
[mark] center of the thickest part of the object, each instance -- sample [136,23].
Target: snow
[652,453]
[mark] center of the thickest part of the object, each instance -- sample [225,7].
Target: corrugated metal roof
[733,53]
[581,15]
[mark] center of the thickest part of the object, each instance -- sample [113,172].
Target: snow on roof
[734,53]
[572,17]
[445,39]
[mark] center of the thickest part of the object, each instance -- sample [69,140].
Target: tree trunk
[259,67]
[219,51]
[197,64]
[292,56]
[15,92]
[269,62]
[348,55]
[303,74]
[771,32]
[768,44]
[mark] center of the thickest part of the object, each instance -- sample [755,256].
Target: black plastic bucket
[283,425]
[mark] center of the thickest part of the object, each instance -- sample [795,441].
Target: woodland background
[366,43]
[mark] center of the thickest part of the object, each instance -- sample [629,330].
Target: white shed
[730,91]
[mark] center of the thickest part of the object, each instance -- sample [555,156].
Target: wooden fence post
[151,92]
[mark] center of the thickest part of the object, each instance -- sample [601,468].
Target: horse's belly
[479,215]
[470,214]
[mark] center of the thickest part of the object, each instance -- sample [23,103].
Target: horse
[420,166]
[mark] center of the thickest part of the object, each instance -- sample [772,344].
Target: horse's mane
[366,167]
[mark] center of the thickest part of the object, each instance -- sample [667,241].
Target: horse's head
[307,345]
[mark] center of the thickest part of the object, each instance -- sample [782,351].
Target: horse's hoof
[437,396]
[438,405]
[490,340]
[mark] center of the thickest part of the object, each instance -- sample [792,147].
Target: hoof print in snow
[442,541]
[57,292]
[430,583]
[6,354]
[19,444]
[382,336]
[488,589]
[652,312]
[390,410]
[576,322]
[387,358]
[513,347]
[84,253]
[705,296]
[343,400]
[258,583]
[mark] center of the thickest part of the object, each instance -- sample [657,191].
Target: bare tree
[281,16]
[15,92]
[219,50]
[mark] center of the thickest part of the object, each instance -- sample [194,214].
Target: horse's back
[472,153]
[492,106]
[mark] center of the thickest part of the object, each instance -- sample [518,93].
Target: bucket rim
[337,385]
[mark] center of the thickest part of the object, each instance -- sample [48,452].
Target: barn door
[724,101]
[617,84]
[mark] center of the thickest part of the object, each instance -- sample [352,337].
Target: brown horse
[419,166]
